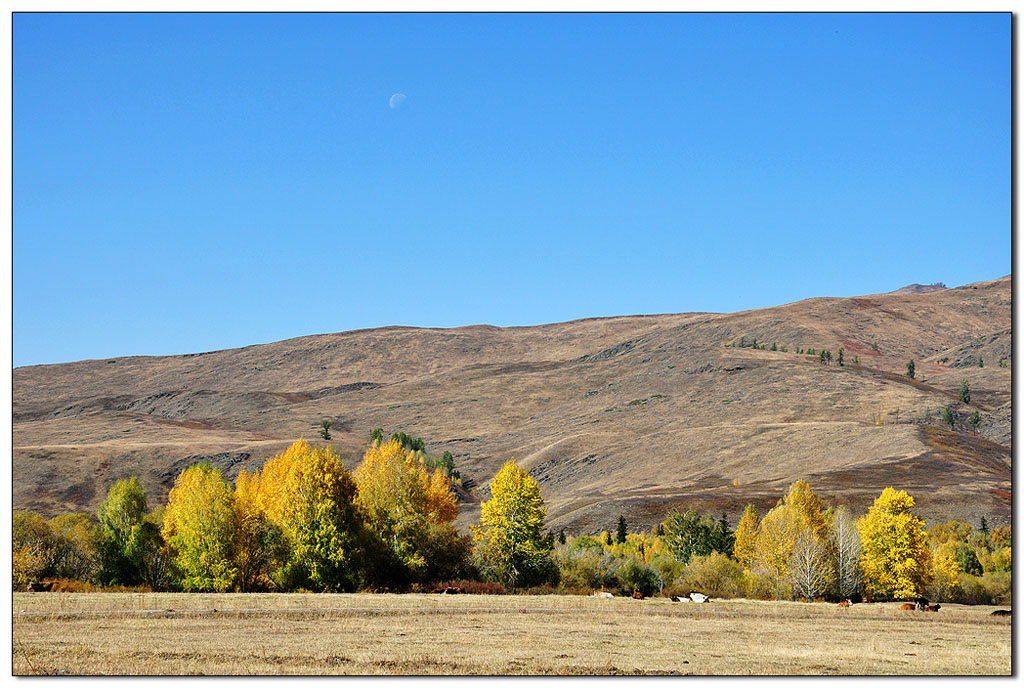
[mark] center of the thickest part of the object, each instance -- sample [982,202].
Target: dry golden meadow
[174,633]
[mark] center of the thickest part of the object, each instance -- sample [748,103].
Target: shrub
[585,568]
[71,585]
[761,586]
[991,588]
[634,574]
[716,574]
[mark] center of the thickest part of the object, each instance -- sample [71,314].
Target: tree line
[303,522]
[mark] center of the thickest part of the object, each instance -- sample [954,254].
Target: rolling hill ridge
[634,415]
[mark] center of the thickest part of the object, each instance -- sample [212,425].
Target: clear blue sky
[186,183]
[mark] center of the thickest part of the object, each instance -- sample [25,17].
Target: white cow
[680,599]
[603,594]
[699,597]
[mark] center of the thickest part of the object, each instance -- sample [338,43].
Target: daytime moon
[396,101]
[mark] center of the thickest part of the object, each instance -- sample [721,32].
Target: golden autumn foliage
[511,521]
[198,530]
[307,493]
[408,511]
[895,554]
[441,505]
[944,575]
[260,548]
[746,537]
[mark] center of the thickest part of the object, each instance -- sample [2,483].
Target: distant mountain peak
[919,288]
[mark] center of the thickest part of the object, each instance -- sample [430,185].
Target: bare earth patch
[167,633]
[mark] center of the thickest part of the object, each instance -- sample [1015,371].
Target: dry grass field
[166,633]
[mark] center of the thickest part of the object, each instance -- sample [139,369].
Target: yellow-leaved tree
[894,547]
[261,548]
[308,494]
[512,548]
[745,546]
[790,554]
[409,512]
[198,530]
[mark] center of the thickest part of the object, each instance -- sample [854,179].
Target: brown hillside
[636,414]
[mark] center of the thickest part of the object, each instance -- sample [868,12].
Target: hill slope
[635,414]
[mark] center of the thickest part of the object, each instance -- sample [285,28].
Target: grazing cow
[844,604]
[699,597]
[932,607]
[637,595]
[603,594]
[907,607]
[1001,612]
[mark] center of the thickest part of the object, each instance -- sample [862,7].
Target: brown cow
[1001,612]
[907,607]
[46,586]
[932,607]
[844,604]
[637,595]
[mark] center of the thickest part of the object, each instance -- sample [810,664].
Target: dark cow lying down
[1001,612]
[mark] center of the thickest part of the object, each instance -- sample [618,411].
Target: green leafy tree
[377,436]
[124,534]
[512,547]
[965,392]
[839,359]
[974,420]
[967,560]
[722,537]
[949,417]
[688,534]
[910,369]
[774,347]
